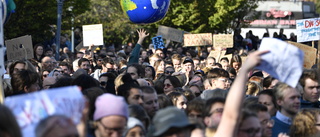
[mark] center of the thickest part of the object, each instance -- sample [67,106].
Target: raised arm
[231,113]
[135,54]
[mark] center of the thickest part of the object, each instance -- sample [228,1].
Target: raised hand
[142,34]
[253,60]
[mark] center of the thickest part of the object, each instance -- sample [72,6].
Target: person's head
[160,53]
[306,123]
[253,88]
[249,125]
[84,63]
[25,81]
[218,78]
[176,61]
[213,112]
[267,98]
[225,65]
[150,72]
[159,66]
[17,66]
[187,65]
[309,80]
[150,100]
[79,55]
[170,83]
[110,120]
[264,117]
[269,82]
[168,71]
[153,58]
[164,101]
[288,99]
[210,62]
[178,100]
[134,128]
[171,121]
[48,52]
[8,126]
[85,81]
[138,112]
[47,63]
[136,71]
[38,50]
[65,67]
[236,62]
[195,110]
[107,64]
[56,126]
[131,93]
[195,89]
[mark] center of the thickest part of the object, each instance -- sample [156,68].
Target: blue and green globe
[145,11]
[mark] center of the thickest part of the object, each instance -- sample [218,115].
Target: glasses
[103,83]
[169,72]
[224,80]
[267,121]
[109,131]
[251,131]
[218,110]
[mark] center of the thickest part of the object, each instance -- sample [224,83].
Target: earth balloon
[145,11]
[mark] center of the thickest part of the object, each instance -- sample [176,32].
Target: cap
[187,60]
[108,105]
[133,122]
[168,118]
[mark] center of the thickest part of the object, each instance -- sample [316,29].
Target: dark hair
[85,81]
[174,81]
[217,72]
[267,81]
[92,94]
[11,67]
[256,108]
[269,92]
[23,78]
[148,89]
[152,70]
[308,73]
[197,105]
[8,125]
[174,97]
[164,101]
[124,89]
[139,112]
[211,102]
[140,70]
[62,63]
[82,60]
[62,82]
[250,100]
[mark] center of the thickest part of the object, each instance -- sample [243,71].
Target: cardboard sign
[223,40]
[92,34]
[29,109]
[170,33]
[216,54]
[310,54]
[308,29]
[201,39]
[158,42]
[283,61]
[19,48]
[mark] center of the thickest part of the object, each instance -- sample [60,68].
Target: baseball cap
[187,60]
[168,118]
[108,105]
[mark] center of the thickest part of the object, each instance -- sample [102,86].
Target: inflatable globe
[145,11]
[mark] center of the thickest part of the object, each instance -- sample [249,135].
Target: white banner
[92,34]
[308,29]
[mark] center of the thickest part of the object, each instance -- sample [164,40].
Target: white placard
[92,34]
[308,29]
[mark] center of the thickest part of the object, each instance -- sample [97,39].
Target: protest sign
[201,39]
[310,54]
[158,42]
[284,61]
[170,33]
[223,40]
[30,108]
[217,54]
[92,34]
[308,29]
[19,48]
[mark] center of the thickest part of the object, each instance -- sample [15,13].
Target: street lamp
[60,5]
[72,29]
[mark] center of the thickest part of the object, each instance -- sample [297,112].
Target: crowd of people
[170,92]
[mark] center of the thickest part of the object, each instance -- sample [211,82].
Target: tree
[36,18]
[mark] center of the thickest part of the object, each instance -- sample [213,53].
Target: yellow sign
[310,54]
[201,39]
[223,40]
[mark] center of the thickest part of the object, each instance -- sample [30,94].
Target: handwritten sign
[92,34]
[201,39]
[29,109]
[283,61]
[310,54]
[223,40]
[308,29]
[19,48]
[216,54]
[170,33]
[158,42]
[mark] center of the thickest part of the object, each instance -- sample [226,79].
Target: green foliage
[34,17]
[317,6]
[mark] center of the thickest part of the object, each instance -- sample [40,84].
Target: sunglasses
[169,72]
